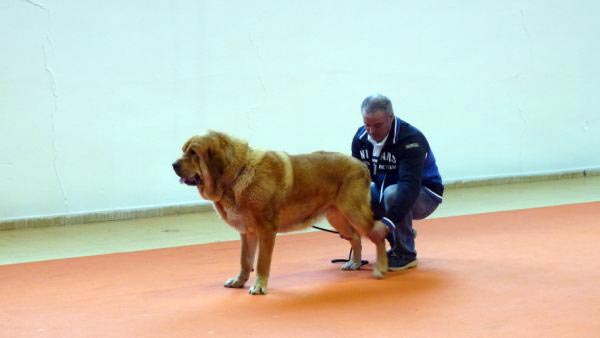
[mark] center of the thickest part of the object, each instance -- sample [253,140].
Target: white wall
[96,98]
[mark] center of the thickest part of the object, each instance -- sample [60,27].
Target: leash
[341,260]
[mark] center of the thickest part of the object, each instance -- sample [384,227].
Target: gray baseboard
[103,216]
[539,177]
[136,213]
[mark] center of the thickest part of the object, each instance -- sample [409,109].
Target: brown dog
[261,193]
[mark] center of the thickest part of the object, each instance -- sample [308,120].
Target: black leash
[341,260]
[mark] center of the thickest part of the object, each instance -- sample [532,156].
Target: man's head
[378,116]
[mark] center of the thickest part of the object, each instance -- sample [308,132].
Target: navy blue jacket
[406,159]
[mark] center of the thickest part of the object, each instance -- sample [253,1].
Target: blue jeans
[402,236]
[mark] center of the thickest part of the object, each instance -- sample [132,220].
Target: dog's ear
[209,154]
[227,144]
[212,163]
[215,155]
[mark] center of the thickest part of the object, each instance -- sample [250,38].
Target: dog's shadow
[323,294]
[329,287]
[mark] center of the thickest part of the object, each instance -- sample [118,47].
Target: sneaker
[395,263]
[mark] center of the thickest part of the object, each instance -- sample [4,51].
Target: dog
[262,193]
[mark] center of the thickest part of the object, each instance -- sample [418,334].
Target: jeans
[402,235]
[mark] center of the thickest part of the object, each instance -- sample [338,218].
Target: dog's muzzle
[194,180]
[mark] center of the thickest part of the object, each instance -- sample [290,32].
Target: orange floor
[527,273]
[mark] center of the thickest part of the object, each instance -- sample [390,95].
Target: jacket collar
[393,132]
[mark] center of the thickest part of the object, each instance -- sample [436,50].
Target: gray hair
[373,103]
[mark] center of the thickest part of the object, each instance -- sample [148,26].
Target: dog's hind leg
[358,219]
[354,200]
[341,224]
[248,253]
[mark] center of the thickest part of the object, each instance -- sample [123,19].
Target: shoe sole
[410,265]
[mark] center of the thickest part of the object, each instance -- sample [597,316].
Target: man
[405,181]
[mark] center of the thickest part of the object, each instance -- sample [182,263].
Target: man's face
[378,125]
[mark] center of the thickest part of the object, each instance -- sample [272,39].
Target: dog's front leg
[266,242]
[249,241]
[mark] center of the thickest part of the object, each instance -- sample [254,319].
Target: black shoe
[395,263]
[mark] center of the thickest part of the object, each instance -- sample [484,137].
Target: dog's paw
[351,265]
[258,290]
[378,273]
[235,282]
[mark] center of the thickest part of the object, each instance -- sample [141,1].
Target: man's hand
[379,232]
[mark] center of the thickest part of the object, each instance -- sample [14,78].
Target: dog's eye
[191,152]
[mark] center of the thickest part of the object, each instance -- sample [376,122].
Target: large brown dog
[261,193]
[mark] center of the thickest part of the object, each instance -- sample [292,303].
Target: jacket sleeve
[410,169]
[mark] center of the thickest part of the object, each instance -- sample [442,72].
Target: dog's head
[204,161]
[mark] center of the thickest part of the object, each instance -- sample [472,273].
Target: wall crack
[48,53]
[33,3]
